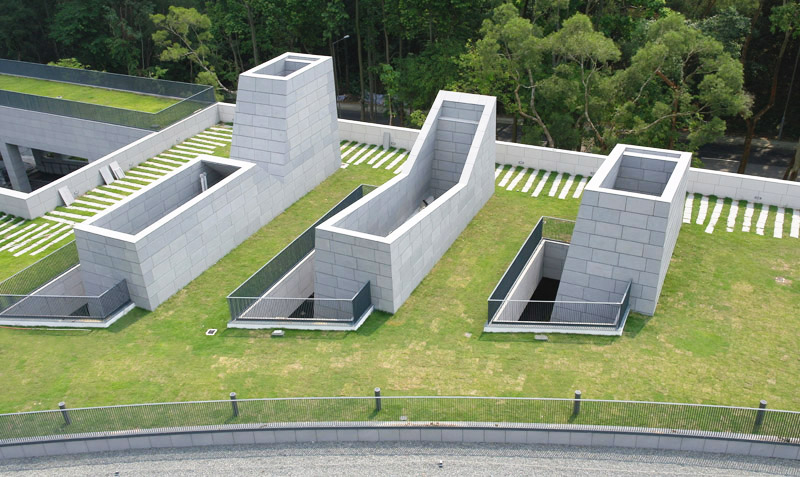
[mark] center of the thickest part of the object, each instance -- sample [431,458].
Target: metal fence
[192,97]
[251,291]
[550,228]
[300,310]
[34,276]
[65,307]
[624,416]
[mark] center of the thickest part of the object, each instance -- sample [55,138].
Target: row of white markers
[750,220]
[19,236]
[513,177]
[354,154]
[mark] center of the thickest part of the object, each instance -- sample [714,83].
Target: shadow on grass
[373,322]
[130,318]
[635,324]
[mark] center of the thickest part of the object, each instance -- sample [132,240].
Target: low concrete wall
[64,135]
[384,238]
[701,181]
[41,201]
[400,432]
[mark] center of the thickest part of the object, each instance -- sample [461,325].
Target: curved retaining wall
[396,432]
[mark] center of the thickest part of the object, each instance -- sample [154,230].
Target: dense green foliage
[578,74]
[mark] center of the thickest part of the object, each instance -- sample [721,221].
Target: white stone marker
[579,189]
[567,186]
[506,177]
[732,214]
[541,184]
[748,217]
[530,180]
[554,187]
[701,215]
[778,231]
[714,216]
[762,219]
[516,180]
[687,209]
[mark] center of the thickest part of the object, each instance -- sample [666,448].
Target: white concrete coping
[88,225]
[466,173]
[609,168]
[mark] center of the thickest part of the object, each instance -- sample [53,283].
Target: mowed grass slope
[85,94]
[725,332]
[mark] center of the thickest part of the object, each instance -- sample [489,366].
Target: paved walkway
[354,459]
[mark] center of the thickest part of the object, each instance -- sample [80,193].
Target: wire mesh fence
[247,295]
[65,307]
[39,273]
[192,97]
[723,421]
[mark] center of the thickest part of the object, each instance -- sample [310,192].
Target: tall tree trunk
[252,24]
[794,167]
[360,63]
[514,127]
[754,119]
[388,100]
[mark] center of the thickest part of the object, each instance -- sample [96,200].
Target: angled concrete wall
[623,236]
[286,124]
[164,236]
[396,234]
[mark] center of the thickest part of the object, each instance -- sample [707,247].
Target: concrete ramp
[395,235]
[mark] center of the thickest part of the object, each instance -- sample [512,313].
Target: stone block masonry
[396,234]
[286,119]
[166,235]
[627,226]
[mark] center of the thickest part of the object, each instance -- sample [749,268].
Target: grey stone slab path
[368,459]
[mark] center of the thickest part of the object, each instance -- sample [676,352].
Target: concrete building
[395,235]
[627,226]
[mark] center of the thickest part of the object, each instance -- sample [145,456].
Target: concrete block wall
[65,135]
[642,175]
[286,116]
[623,236]
[45,199]
[164,257]
[555,254]
[356,245]
[133,216]
[401,138]
[701,181]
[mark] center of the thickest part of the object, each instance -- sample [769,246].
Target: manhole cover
[211,332]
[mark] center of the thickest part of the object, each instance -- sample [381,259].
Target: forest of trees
[574,74]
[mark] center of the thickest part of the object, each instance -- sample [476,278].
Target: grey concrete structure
[488,440]
[164,236]
[396,234]
[60,134]
[627,226]
[39,202]
[286,122]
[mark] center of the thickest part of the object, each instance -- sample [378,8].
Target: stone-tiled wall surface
[179,245]
[388,238]
[45,199]
[701,181]
[622,236]
[286,120]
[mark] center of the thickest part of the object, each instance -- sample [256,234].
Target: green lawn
[85,94]
[725,331]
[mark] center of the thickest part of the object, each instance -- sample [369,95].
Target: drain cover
[211,332]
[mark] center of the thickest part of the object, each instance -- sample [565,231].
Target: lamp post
[335,69]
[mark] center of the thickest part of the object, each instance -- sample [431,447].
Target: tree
[589,53]
[679,80]
[794,168]
[786,19]
[183,34]
[511,50]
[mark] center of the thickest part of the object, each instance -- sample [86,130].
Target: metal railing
[550,228]
[299,310]
[41,272]
[192,97]
[248,293]
[620,416]
[65,307]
